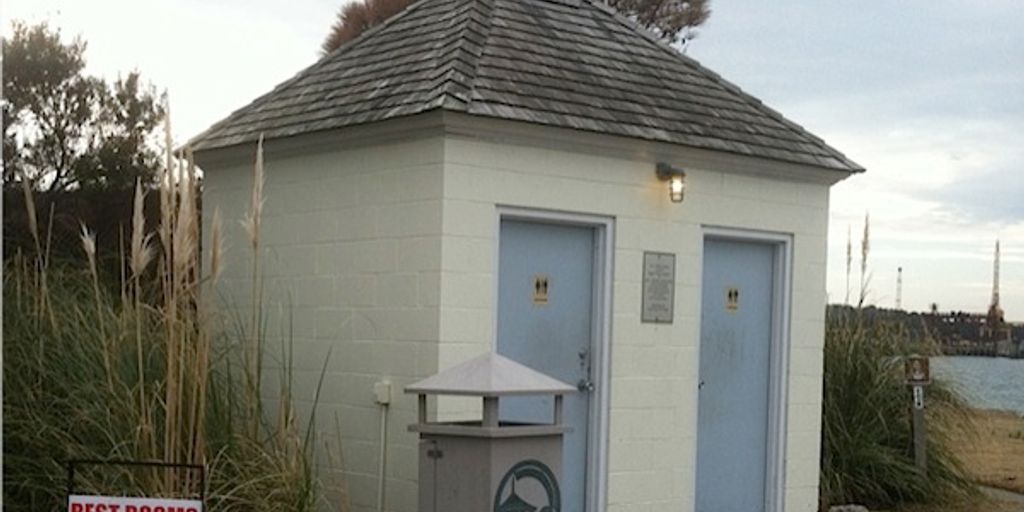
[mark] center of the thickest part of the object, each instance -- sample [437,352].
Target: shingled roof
[566,63]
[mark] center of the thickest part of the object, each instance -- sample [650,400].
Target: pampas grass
[251,224]
[145,372]
[867,438]
[867,447]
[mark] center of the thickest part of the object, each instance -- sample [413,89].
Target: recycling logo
[507,500]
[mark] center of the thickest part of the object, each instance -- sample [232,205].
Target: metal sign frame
[917,370]
[658,291]
[72,464]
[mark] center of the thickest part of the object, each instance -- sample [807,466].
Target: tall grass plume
[143,372]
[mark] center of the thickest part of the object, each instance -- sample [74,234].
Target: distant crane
[995,279]
[899,288]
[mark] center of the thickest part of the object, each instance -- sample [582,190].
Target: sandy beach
[993,453]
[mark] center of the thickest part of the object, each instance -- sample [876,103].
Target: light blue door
[735,363]
[545,302]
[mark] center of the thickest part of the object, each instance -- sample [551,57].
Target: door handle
[585,385]
[700,385]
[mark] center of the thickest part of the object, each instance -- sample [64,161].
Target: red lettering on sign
[100,504]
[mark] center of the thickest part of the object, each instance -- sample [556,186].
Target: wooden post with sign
[917,374]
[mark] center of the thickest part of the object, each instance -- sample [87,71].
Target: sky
[928,95]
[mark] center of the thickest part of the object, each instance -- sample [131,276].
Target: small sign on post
[916,371]
[918,375]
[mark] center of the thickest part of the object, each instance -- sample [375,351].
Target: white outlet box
[382,392]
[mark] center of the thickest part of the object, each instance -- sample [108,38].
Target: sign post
[917,374]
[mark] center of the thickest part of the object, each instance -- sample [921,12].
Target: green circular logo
[506,499]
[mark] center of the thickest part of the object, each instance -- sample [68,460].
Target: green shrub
[867,443]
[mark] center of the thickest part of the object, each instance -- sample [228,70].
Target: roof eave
[621,146]
[412,126]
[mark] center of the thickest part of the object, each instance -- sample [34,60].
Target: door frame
[601,329]
[778,395]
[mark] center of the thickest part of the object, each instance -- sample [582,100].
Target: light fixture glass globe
[676,187]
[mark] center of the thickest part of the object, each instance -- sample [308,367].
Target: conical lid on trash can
[490,374]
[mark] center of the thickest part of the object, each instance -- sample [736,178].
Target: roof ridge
[489,22]
[697,66]
[449,95]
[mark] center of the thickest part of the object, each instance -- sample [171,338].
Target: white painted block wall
[653,367]
[385,254]
[352,252]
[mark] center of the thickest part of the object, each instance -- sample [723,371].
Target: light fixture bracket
[666,171]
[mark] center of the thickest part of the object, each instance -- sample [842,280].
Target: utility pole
[899,288]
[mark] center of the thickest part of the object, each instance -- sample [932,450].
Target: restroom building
[547,180]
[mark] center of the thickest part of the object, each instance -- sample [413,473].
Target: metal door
[545,312]
[735,363]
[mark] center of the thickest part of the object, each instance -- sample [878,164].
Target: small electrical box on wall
[382,392]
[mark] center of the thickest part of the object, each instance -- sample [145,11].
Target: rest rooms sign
[79,503]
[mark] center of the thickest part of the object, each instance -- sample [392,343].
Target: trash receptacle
[490,465]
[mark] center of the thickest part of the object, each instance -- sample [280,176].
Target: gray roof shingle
[566,63]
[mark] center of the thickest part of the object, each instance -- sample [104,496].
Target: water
[986,382]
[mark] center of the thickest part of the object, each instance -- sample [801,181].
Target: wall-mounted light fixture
[676,179]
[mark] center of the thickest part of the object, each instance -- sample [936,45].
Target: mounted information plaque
[659,287]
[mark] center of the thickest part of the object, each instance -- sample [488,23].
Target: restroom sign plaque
[540,290]
[732,299]
[659,287]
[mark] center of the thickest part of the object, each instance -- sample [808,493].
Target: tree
[64,129]
[356,17]
[128,116]
[675,20]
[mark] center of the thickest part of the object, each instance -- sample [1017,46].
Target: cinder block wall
[385,254]
[653,406]
[351,253]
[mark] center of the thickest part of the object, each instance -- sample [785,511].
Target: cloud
[994,194]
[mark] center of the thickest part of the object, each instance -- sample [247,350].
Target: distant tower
[994,324]
[995,279]
[899,288]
